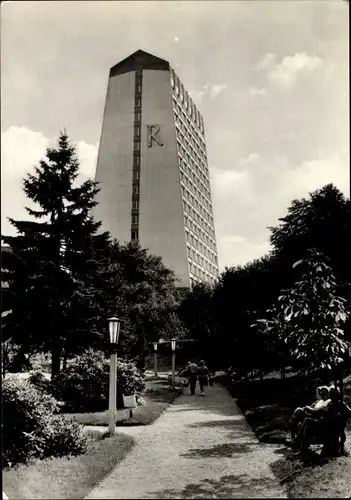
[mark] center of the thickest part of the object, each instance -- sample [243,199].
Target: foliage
[13,357]
[139,289]
[321,221]
[84,385]
[242,294]
[38,379]
[32,428]
[310,316]
[51,257]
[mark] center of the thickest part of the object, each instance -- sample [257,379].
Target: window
[135,189]
[172,82]
[139,88]
[138,102]
[137,117]
[137,145]
[135,204]
[137,131]
[136,175]
[137,160]
[135,219]
[135,235]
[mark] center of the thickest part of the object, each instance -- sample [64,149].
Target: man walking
[191,372]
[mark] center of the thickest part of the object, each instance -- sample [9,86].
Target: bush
[38,379]
[84,385]
[32,428]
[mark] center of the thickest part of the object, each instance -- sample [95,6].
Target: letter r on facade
[153,135]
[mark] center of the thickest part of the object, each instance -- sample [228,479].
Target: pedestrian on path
[203,374]
[191,373]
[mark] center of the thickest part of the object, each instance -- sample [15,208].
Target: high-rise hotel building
[153,171]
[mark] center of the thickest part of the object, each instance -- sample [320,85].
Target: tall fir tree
[52,256]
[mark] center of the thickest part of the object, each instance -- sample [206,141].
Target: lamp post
[173,345]
[155,358]
[114,327]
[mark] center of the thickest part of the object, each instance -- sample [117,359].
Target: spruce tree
[52,256]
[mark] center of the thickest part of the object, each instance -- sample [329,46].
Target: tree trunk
[64,360]
[55,357]
[341,389]
[282,373]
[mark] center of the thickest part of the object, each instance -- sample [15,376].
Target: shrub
[84,385]
[32,428]
[38,379]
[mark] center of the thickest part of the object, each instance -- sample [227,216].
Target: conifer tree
[52,256]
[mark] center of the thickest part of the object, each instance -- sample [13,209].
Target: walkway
[199,448]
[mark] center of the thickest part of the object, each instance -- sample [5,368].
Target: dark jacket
[203,372]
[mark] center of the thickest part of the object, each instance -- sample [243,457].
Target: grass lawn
[67,477]
[157,398]
[267,406]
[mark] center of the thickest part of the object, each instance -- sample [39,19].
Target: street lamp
[173,345]
[114,328]
[155,358]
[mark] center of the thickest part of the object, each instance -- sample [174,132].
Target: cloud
[254,91]
[252,158]
[246,202]
[209,90]
[21,150]
[238,251]
[288,70]
[267,61]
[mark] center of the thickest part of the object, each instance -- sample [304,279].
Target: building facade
[153,171]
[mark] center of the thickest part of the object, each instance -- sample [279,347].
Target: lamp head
[114,328]
[155,346]
[173,344]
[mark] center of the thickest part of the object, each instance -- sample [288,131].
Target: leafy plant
[84,385]
[310,316]
[32,427]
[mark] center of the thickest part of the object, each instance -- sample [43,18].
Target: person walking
[203,374]
[191,373]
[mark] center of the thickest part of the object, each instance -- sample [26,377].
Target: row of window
[196,245]
[136,157]
[196,189]
[198,259]
[198,219]
[184,154]
[193,171]
[198,231]
[180,91]
[200,273]
[203,248]
[189,138]
[200,166]
[201,204]
[195,241]
[185,124]
[189,207]
[194,280]
[197,152]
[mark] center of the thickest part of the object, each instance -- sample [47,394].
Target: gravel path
[199,448]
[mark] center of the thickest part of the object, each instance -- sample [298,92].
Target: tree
[138,288]
[242,294]
[321,221]
[311,315]
[51,256]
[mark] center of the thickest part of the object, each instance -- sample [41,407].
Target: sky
[269,77]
